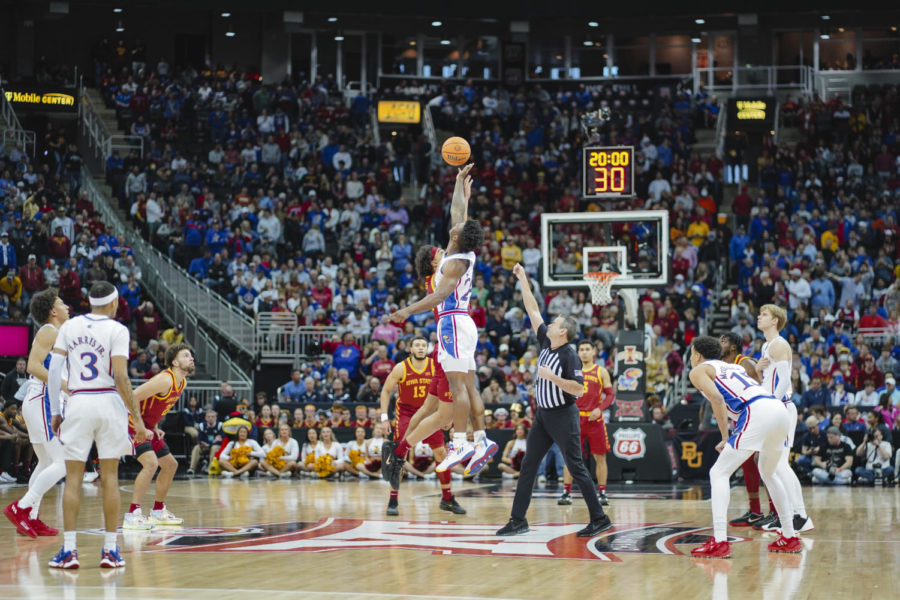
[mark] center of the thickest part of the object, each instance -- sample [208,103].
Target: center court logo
[545,540]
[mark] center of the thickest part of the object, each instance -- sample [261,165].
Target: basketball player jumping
[93,348]
[457,338]
[598,396]
[156,398]
[775,366]
[412,378]
[731,348]
[735,396]
[48,309]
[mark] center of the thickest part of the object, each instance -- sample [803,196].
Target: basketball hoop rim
[602,276]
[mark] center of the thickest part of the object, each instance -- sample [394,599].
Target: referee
[558,383]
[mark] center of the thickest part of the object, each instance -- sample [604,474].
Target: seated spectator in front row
[877,453]
[209,440]
[834,461]
[811,443]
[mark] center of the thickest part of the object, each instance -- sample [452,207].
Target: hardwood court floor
[318,539]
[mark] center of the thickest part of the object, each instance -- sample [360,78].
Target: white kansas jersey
[90,341]
[736,387]
[458,301]
[773,381]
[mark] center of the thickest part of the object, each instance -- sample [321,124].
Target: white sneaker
[164,517]
[91,477]
[485,449]
[227,474]
[285,475]
[542,479]
[136,521]
[7,478]
[271,475]
[456,455]
[245,475]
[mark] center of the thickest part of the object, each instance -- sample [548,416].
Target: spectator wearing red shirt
[32,277]
[147,323]
[868,372]
[478,314]
[59,246]
[69,286]
[741,206]
[872,320]
[322,294]
[381,364]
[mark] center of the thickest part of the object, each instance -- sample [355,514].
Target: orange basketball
[456,151]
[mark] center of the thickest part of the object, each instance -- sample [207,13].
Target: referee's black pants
[560,425]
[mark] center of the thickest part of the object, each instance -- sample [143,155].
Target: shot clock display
[608,171]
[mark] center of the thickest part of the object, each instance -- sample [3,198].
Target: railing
[100,139]
[278,338]
[13,131]
[175,309]
[828,83]
[373,123]
[877,335]
[768,79]
[721,130]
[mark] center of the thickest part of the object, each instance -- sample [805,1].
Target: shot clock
[608,171]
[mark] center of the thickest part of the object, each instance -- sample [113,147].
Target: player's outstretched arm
[462,191]
[389,384]
[450,275]
[158,384]
[531,305]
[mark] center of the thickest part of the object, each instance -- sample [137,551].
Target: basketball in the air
[456,151]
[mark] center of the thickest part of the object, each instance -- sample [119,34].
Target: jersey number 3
[90,371]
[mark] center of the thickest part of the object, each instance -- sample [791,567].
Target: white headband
[105,299]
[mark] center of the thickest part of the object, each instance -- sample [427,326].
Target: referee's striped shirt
[564,362]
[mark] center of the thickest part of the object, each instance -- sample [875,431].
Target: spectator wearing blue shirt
[294,388]
[380,293]
[216,238]
[402,253]
[816,395]
[760,223]
[131,292]
[7,254]
[407,277]
[347,355]
[200,265]
[664,153]
[822,293]
[737,246]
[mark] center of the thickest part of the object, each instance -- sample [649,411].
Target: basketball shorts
[457,338]
[792,414]
[763,426]
[156,445]
[36,412]
[435,440]
[594,432]
[439,385]
[95,417]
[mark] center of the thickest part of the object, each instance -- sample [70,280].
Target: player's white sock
[109,540]
[479,435]
[69,540]
[459,439]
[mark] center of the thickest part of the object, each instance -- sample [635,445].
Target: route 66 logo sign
[629,444]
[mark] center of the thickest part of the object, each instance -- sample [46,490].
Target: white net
[601,286]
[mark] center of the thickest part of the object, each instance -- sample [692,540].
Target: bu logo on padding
[628,443]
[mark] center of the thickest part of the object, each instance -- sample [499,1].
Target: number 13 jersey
[90,342]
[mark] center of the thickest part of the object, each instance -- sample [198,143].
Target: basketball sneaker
[767,520]
[65,560]
[395,471]
[712,549]
[565,499]
[164,517]
[595,527]
[136,521]
[774,525]
[514,527]
[392,509]
[20,517]
[787,545]
[802,524]
[42,528]
[387,452]
[746,520]
[455,455]
[485,449]
[453,506]
[111,559]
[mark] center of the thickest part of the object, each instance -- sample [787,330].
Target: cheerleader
[281,454]
[307,462]
[241,456]
[329,455]
[511,462]
[356,453]
[421,461]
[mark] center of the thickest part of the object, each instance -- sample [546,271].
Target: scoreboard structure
[608,171]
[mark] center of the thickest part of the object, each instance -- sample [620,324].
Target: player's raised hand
[467,187]
[519,271]
[463,171]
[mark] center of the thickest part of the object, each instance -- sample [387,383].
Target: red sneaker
[712,549]
[42,528]
[20,518]
[788,545]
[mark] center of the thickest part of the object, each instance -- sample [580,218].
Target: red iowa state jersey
[593,389]
[154,408]
[429,289]
[413,386]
